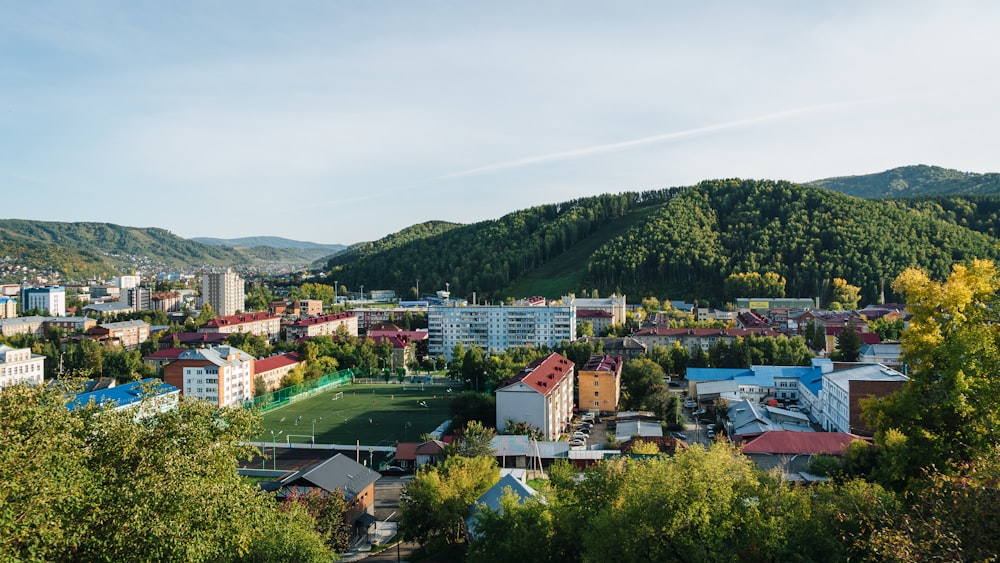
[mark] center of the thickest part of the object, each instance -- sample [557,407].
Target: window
[597,393]
[597,384]
[597,403]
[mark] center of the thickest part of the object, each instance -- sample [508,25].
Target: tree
[501,535]
[522,428]
[639,377]
[845,295]
[584,328]
[435,503]
[475,440]
[94,484]
[849,343]
[470,406]
[946,413]
[328,511]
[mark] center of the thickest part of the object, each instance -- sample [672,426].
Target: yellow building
[600,384]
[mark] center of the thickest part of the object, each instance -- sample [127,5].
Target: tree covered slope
[909,181]
[807,235]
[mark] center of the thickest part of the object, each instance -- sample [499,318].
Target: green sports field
[377,415]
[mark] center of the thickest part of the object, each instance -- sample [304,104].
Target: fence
[282,397]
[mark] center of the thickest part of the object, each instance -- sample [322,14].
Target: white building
[614,305]
[221,375]
[223,291]
[19,365]
[49,300]
[843,390]
[127,282]
[540,395]
[498,328]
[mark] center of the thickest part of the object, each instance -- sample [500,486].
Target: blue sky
[336,122]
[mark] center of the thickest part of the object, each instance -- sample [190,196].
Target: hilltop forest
[682,243]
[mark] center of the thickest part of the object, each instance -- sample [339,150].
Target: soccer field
[377,415]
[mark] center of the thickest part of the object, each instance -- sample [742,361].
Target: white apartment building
[843,390]
[261,324]
[614,304]
[222,375]
[223,291]
[541,395]
[19,365]
[322,325]
[498,328]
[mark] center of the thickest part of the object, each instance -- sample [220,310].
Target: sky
[338,122]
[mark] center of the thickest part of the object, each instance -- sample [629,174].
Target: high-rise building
[221,375]
[19,365]
[50,300]
[223,291]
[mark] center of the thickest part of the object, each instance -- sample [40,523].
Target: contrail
[623,145]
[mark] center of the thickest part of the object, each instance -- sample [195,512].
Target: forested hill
[807,235]
[412,233]
[685,246]
[80,250]
[907,181]
[487,257]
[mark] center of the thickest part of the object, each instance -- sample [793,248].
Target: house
[339,473]
[747,419]
[260,324]
[20,365]
[429,452]
[272,369]
[415,339]
[146,397]
[602,376]
[791,452]
[406,455]
[843,390]
[491,500]
[540,395]
[322,325]
[222,375]
[637,428]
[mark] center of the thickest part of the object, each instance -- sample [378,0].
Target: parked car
[690,403]
[580,436]
[577,443]
[678,435]
[710,433]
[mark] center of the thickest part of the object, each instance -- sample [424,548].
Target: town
[355,406]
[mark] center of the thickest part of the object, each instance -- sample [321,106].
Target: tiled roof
[165,354]
[433,447]
[593,314]
[602,363]
[543,375]
[704,332]
[406,451]
[321,320]
[239,319]
[275,362]
[192,338]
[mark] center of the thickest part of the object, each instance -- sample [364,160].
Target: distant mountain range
[677,243]
[909,181]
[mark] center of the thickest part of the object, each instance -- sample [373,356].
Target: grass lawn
[378,415]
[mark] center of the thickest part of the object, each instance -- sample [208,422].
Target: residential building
[8,307]
[540,395]
[146,397]
[371,316]
[747,419]
[696,338]
[627,429]
[429,452]
[888,354]
[167,301]
[614,304]
[138,298]
[601,377]
[599,320]
[498,328]
[160,358]
[354,481]
[624,347]
[322,325]
[843,390]
[272,369]
[33,325]
[127,282]
[311,307]
[765,304]
[50,300]
[221,375]
[260,324]
[19,365]
[127,334]
[192,339]
[223,291]
[416,340]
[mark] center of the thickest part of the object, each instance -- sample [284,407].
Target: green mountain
[271,242]
[679,243]
[363,249]
[920,180]
[80,250]
[278,252]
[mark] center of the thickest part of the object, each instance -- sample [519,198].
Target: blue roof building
[159,397]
